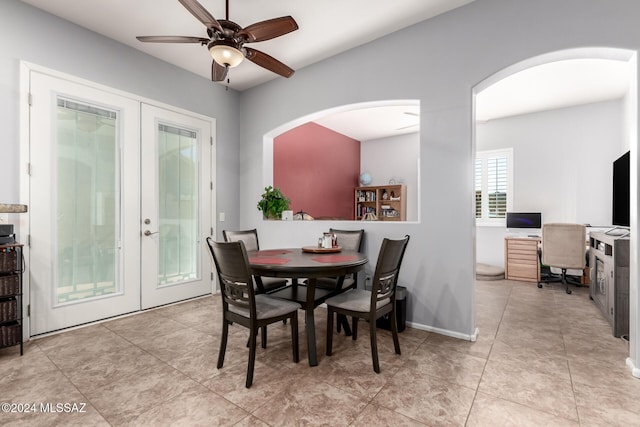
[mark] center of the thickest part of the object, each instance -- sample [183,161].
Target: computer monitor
[621,190]
[524,220]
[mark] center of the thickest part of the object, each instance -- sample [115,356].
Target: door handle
[149,233]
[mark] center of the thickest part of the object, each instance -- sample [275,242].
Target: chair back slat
[249,237]
[385,278]
[235,293]
[386,286]
[232,266]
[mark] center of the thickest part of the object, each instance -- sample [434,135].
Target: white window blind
[493,185]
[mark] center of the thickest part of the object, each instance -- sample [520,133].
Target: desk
[521,261]
[295,264]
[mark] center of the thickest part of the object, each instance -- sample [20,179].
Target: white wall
[397,157]
[562,166]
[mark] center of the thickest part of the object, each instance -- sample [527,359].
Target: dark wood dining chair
[251,243]
[243,306]
[373,304]
[349,240]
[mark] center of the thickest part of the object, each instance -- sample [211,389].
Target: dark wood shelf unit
[11,295]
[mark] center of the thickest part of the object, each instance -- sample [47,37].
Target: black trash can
[401,312]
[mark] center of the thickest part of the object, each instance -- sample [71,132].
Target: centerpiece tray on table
[317,250]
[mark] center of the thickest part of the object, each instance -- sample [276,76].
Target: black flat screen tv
[621,190]
[524,220]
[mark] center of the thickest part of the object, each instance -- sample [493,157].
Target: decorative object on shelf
[273,203]
[369,216]
[385,195]
[301,215]
[287,215]
[365,178]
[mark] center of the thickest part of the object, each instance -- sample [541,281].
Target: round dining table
[294,263]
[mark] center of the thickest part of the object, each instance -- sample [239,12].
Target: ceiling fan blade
[269,29]
[218,72]
[172,39]
[268,62]
[201,14]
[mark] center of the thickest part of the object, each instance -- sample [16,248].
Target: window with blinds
[493,185]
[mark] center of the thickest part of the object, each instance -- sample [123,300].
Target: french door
[117,211]
[176,197]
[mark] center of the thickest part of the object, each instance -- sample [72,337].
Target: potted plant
[272,203]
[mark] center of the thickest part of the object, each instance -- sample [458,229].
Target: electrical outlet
[221,216]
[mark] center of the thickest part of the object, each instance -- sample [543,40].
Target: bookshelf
[383,202]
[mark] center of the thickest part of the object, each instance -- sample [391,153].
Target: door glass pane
[178,205]
[88,205]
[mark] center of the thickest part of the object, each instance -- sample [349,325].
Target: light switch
[221,216]
[4,218]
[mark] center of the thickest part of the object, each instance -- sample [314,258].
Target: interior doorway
[625,132]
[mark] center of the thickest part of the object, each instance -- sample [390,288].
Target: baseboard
[635,371]
[467,337]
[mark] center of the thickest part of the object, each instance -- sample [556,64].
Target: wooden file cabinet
[521,261]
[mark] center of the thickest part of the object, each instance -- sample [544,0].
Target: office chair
[563,246]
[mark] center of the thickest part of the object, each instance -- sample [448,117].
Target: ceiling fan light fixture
[225,53]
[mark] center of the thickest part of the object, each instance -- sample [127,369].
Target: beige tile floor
[543,358]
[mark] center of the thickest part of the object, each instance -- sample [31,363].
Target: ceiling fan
[226,41]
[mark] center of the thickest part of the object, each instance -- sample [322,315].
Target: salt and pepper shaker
[328,241]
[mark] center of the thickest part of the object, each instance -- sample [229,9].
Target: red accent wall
[317,169]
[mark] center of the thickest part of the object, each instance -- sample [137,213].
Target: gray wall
[562,166]
[32,35]
[441,61]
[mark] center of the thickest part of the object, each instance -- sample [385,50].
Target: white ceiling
[554,85]
[365,124]
[329,27]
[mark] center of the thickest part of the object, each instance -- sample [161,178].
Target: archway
[630,138]
[386,129]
